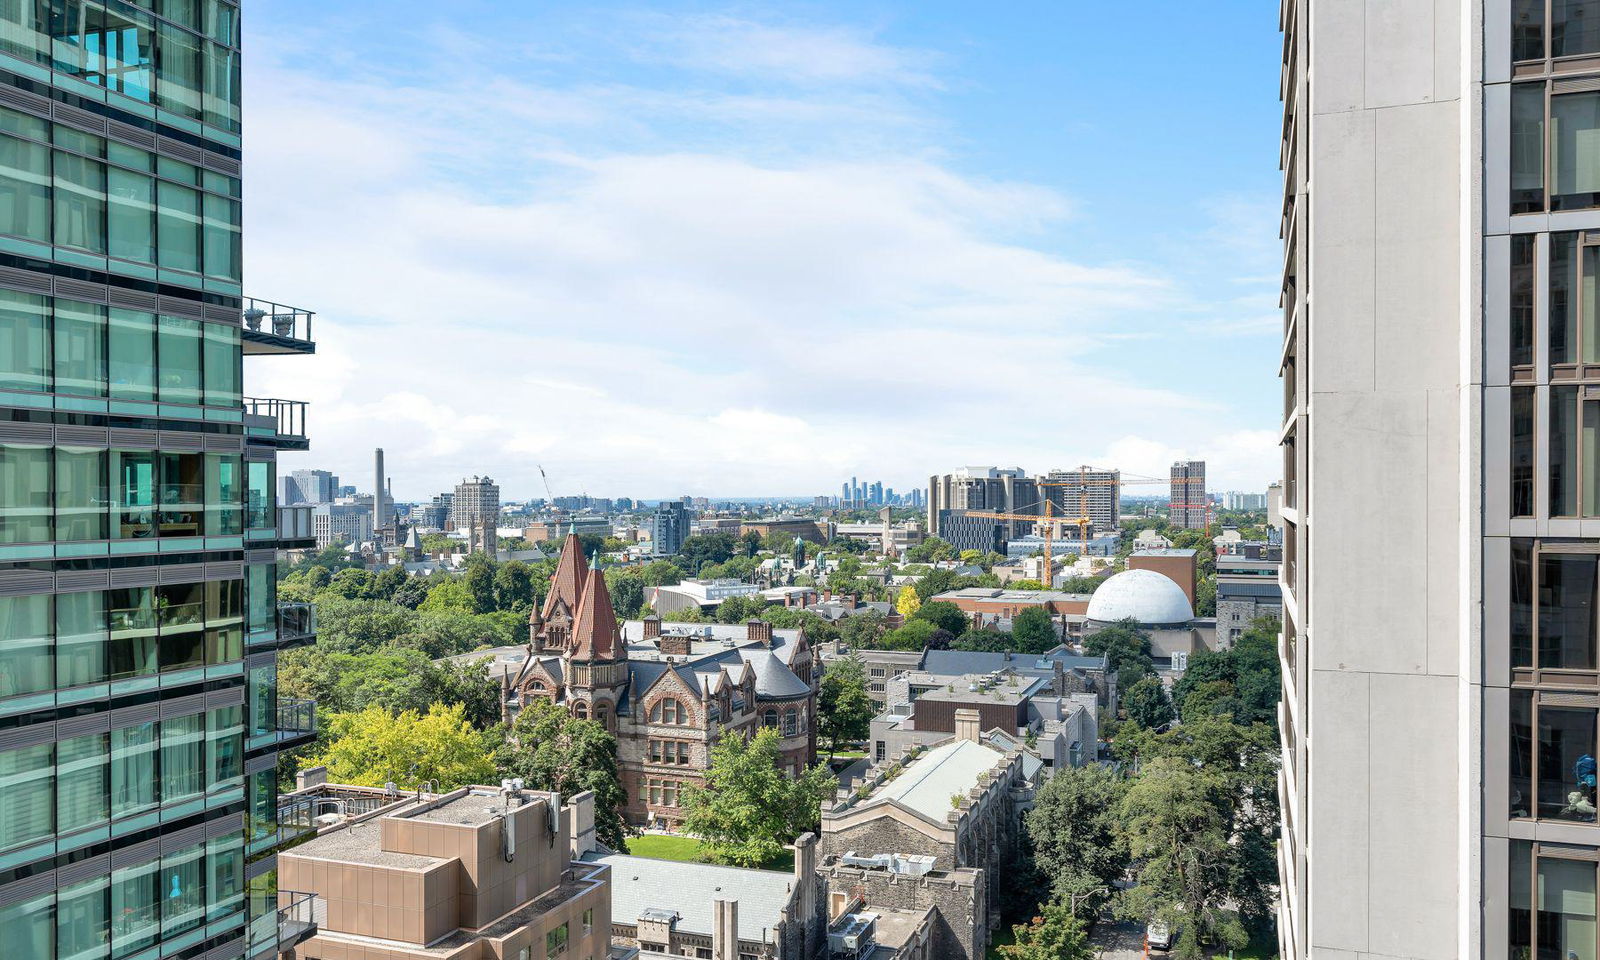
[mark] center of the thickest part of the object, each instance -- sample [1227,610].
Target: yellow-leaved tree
[908,603]
[372,747]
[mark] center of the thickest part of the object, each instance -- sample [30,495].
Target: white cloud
[500,286]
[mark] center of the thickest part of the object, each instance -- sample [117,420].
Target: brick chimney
[849,600]
[675,644]
[968,725]
[760,631]
[725,930]
[894,621]
[652,627]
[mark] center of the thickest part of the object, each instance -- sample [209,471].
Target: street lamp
[1074,897]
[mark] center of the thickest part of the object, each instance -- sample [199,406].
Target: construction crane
[1049,519]
[1084,482]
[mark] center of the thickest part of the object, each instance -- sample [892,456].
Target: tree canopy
[552,750]
[749,809]
[373,747]
[844,709]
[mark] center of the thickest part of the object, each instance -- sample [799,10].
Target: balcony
[299,917]
[280,422]
[297,720]
[297,625]
[272,328]
[295,528]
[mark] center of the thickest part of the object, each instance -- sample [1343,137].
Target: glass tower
[139,720]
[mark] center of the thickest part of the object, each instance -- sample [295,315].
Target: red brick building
[668,696]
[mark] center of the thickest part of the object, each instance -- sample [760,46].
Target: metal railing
[289,414]
[264,316]
[298,917]
[296,717]
[295,523]
[296,620]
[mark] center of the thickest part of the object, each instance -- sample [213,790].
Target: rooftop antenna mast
[546,480]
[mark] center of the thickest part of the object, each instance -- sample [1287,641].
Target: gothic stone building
[668,696]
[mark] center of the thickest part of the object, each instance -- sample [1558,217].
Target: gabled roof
[928,782]
[595,635]
[567,586]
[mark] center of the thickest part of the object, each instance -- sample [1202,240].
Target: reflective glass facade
[140,725]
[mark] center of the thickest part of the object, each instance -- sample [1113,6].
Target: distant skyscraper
[1087,489]
[844,491]
[316,486]
[475,499]
[1188,506]
[1004,490]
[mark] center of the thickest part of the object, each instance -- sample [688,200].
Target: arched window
[537,686]
[791,723]
[581,710]
[668,710]
[600,712]
[770,718]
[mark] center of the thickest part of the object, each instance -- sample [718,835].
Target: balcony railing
[299,915]
[297,718]
[295,523]
[276,328]
[287,417]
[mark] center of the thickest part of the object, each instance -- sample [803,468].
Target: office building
[1247,586]
[1086,492]
[140,725]
[1188,508]
[346,523]
[1439,642]
[669,527]
[967,532]
[984,488]
[475,500]
[315,486]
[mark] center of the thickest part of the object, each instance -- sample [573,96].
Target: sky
[757,249]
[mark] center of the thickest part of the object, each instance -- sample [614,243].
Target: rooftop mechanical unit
[854,938]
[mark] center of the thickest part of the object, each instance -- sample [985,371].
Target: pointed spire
[594,631]
[567,585]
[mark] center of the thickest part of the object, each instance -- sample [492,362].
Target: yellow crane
[1049,519]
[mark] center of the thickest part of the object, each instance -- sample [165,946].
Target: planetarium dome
[1143,595]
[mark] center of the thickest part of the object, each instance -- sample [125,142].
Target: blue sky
[755,249]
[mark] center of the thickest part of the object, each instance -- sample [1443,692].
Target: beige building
[479,873]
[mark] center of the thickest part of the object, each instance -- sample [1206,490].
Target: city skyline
[942,153]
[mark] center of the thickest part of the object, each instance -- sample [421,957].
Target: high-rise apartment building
[1188,507]
[346,523]
[998,489]
[669,526]
[476,499]
[140,725]
[1086,492]
[1441,192]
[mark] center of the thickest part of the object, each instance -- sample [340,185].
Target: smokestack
[379,518]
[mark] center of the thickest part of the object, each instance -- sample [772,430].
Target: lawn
[663,847]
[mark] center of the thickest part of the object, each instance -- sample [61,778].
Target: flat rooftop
[929,781]
[974,687]
[639,884]
[1012,596]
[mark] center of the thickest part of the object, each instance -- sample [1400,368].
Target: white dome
[1146,596]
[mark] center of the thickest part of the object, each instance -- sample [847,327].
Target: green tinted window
[24,189]
[81,498]
[80,348]
[81,621]
[133,354]
[25,623]
[132,227]
[24,342]
[178,210]
[25,506]
[179,352]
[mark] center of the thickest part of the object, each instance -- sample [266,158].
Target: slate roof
[640,883]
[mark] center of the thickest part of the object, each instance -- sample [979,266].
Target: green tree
[356,626]
[374,747]
[844,710]
[318,577]
[748,809]
[1126,648]
[351,584]
[935,582]
[861,629]
[448,595]
[438,543]
[1242,682]
[1034,631]
[1147,704]
[468,684]
[386,584]
[513,587]
[740,609]
[626,586]
[1174,821]
[552,750]
[660,573]
[1074,831]
[411,593]
[1055,934]
[915,635]
[944,615]
[704,548]
[480,584]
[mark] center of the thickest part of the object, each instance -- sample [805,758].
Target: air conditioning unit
[876,861]
[912,865]
[855,936]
